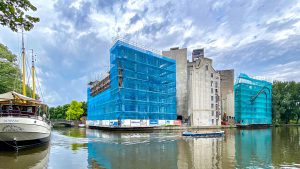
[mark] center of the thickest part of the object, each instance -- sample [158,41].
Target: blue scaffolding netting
[141,85]
[253,101]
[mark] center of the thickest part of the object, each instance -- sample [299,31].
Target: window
[211,75]
[216,90]
[206,67]
[212,113]
[212,106]
[212,98]
[212,121]
[212,90]
[211,83]
[216,84]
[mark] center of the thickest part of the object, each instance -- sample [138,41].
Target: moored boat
[81,125]
[204,134]
[21,122]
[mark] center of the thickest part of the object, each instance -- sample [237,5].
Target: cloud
[72,40]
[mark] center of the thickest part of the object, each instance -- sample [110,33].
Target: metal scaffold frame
[142,86]
[253,101]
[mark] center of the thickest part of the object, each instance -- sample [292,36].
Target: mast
[23,66]
[33,71]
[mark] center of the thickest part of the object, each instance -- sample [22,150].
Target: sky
[73,38]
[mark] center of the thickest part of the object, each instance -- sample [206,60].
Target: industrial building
[253,101]
[227,94]
[180,55]
[204,91]
[139,89]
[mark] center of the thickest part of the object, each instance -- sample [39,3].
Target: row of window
[217,121]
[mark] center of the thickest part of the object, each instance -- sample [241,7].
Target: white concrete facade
[204,92]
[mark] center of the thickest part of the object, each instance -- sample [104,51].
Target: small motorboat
[204,134]
[81,125]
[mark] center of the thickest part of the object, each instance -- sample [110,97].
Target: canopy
[14,96]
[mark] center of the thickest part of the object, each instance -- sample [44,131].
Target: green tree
[13,14]
[75,110]
[84,107]
[10,73]
[286,102]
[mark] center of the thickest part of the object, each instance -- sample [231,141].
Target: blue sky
[72,40]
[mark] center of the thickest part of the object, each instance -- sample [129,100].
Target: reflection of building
[132,152]
[200,153]
[253,101]
[180,55]
[140,87]
[227,95]
[204,92]
[253,148]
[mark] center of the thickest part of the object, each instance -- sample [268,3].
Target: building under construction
[253,101]
[139,89]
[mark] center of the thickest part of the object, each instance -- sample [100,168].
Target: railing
[138,45]
[14,113]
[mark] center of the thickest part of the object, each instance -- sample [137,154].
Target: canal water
[86,148]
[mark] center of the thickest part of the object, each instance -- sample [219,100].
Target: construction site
[253,101]
[139,89]
[144,88]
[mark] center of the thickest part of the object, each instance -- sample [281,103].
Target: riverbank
[159,128]
[176,128]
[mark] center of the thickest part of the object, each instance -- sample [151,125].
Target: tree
[84,107]
[75,111]
[286,101]
[12,14]
[10,73]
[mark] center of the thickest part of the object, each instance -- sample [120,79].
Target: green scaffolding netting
[253,101]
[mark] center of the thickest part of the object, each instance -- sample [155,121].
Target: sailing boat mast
[33,71]
[23,65]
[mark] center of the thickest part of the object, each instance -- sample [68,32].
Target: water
[86,148]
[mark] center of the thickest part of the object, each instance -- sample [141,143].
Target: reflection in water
[207,152]
[253,148]
[286,145]
[204,153]
[85,148]
[127,150]
[35,158]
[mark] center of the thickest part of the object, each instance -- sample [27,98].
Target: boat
[203,134]
[23,120]
[81,125]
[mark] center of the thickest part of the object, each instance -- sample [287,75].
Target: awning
[14,96]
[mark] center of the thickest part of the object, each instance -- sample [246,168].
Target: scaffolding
[142,85]
[253,101]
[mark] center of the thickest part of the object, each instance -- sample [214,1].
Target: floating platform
[203,134]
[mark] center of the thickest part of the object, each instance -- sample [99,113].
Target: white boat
[81,125]
[20,123]
[23,122]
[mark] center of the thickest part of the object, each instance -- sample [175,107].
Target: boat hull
[23,132]
[209,134]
